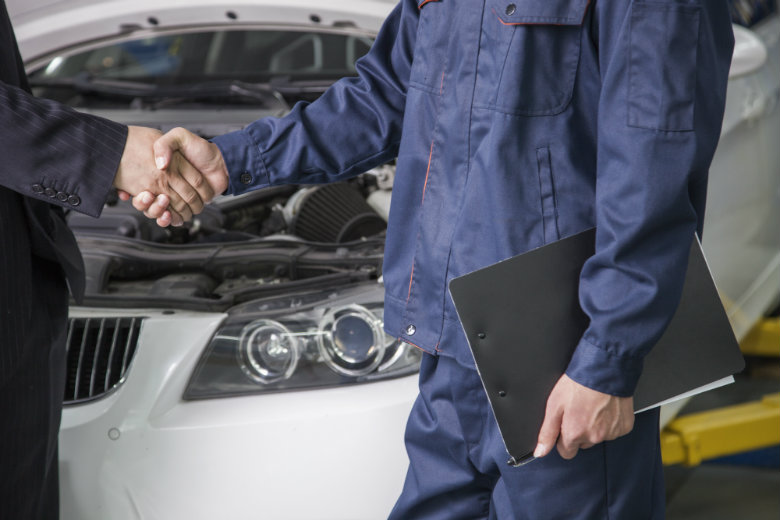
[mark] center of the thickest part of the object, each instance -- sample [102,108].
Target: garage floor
[725,492]
[742,487]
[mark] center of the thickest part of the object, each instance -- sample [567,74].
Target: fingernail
[147,198]
[539,451]
[160,161]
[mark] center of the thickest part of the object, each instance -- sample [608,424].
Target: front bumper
[141,452]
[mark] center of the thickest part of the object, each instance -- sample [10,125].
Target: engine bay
[267,242]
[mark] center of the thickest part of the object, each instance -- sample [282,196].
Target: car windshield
[286,58]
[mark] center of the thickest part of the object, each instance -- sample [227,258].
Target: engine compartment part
[332,213]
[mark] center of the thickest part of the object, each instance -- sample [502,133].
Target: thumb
[167,144]
[548,434]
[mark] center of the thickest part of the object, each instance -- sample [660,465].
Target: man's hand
[578,417]
[201,154]
[180,186]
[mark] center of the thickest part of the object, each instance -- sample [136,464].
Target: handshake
[170,177]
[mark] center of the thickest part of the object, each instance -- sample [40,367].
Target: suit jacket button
[50,192]
[62,196]
[74,200]
[37,188]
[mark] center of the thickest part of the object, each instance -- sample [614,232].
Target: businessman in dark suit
[54,158]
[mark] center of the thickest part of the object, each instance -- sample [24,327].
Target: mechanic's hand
[202,154]
[139,175]
[578,417]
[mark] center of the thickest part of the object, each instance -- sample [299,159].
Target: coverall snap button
[49,192]
[245,178]
[411,329]
[37,188]
[510,9]
[74,200]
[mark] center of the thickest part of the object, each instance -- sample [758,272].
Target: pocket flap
[540,12]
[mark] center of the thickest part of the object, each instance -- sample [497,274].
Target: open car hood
[45,26]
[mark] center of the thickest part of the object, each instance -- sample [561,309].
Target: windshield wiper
[165,95]
[289,86]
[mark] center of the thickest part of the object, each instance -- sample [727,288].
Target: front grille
[99,352]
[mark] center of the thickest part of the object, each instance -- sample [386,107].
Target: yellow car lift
[691,439]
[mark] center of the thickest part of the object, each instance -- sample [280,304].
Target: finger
[158,208]
[566,449]
[143,200]
[174,140]
[165,219]
[168,218]
[176,219]
[570,438]
[194,178]
[183,197]
[123,195]
[549,432]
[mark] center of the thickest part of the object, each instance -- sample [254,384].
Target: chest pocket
[529,53]
[432,47]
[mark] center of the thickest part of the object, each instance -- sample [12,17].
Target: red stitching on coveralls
[411,277]
[425,185]
[427,171]
[412,344]
[425,2]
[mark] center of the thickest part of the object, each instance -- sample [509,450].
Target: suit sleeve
[56,154]
[353,126]
[664,68]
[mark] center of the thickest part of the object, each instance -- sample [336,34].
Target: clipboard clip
[516,462]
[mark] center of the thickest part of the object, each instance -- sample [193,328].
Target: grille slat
[70,336]
[96,358]
[125,359]
[107,379]
[98,350]
[81,359]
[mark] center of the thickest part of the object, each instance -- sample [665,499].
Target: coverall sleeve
[664,68]
[353,126]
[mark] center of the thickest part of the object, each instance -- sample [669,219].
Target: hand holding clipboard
[522,319]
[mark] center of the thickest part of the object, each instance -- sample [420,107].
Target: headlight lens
[351,340]
[306,341]
[268,351]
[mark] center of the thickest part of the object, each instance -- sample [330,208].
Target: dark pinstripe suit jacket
[51,157]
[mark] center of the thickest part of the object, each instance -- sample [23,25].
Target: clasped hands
[170,177]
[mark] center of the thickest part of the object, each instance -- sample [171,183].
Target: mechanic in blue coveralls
[516,123]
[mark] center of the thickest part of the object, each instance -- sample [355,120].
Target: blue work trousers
[458,464]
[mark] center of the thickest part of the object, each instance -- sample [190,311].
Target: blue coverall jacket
[516,123]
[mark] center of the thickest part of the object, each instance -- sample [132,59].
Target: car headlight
[313,340]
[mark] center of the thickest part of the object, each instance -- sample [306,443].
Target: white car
[235,368]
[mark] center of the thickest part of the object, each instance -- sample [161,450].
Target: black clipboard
[522,319]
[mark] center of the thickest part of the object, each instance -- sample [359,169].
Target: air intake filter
[332,213]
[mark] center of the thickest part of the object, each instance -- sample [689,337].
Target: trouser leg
[458,466]
[442,432]
[620,479]
[30,409]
